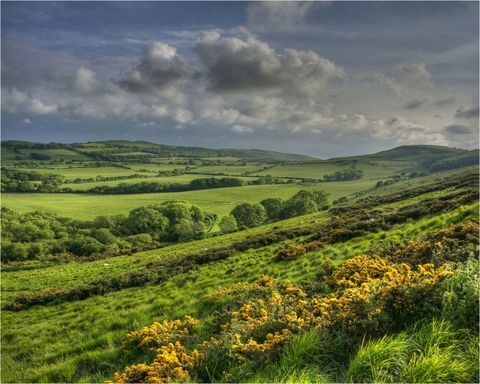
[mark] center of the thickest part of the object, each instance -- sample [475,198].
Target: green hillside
[69,322]
[116,149]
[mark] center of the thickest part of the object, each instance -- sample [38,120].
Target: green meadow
[220,201]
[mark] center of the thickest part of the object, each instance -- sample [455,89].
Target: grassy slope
[316,170]
[80,341]
[122,146]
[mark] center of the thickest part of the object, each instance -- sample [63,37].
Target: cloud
[414,104]
[241,129]
[445,101]
[27,121]
[15,101]
[233,64]
[415,76]
[159,67]
[278,14]
[458,129]
[84,80]
[470,113]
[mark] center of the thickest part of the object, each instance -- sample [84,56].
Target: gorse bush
[370,296]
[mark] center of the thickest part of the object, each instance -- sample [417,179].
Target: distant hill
[429,158]
[416,152]
[114,149]
[419,158]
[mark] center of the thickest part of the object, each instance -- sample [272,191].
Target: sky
[319,78]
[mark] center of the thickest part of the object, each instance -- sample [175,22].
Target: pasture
[316,170]
[220,201]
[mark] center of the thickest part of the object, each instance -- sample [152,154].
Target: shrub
[228,224]
[172,363]
[290,252]
[160,334]
[249,215]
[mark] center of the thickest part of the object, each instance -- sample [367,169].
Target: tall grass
[299,363]
[431,353]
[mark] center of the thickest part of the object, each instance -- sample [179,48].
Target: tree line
[348,175]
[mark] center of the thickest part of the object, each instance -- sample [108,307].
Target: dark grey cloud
[445,101]
[160,67]
[458,129]
[470,113]
[233,64]
[414,104]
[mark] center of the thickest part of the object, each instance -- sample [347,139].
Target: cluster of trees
[152,187]
[452,163]
[247,215]
[39,235]
[396,178]
[79,180]
[348,175]
[39,156]
[23,181]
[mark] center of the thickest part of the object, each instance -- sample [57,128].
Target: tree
[321,198]
[210,219]
[146,220]
[228,224]
[249,215]
[273,207]
[187,230]
[302,203]
[104,236]
[177,211]
[83,246]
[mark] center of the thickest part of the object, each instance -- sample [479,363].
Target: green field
[72,173]
[181,179]
[371,170]
[234,170]
[56,154]
[220,201]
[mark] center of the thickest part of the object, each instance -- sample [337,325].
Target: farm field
[220,201]
[232,170]
[182,179]
[371,170]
